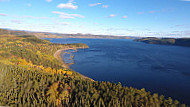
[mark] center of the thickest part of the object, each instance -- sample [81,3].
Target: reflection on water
[157,68]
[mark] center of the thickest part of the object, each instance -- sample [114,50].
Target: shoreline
[58,54]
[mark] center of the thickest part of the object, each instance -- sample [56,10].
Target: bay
[159,69]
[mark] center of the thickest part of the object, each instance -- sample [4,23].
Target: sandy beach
[57,55]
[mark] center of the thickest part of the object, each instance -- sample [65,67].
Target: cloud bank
[95,4]
[67,16]
[67,6]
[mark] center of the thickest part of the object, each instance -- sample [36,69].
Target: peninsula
[166,41]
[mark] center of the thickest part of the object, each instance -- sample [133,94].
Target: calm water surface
[157,68]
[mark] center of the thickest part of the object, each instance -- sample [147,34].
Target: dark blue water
[157,68]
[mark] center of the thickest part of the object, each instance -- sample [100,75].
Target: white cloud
[71,1]
[185,0]
[28,4]
[32,17]
[95,4]
[67,16]
[125,17]
[67,6]
[2,14]
[105,6]
[112,15]
[16,16]
[49,0]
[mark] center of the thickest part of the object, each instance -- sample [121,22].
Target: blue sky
[159,18]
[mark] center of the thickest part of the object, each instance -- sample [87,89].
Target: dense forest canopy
[30,75]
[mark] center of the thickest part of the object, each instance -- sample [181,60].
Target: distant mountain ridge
[60,35]
[166,41]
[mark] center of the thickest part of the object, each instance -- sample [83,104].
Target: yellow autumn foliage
[30,65]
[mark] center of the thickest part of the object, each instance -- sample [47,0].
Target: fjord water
[157,68]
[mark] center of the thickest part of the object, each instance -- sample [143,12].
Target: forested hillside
[166,41]
[30,75]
